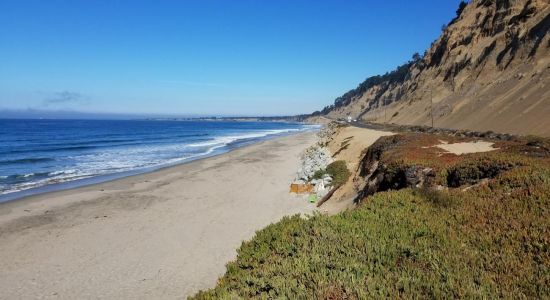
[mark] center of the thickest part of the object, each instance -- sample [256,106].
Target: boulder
[313,159]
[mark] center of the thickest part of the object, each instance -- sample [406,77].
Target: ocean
[44,155]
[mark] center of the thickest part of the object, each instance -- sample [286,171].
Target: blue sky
[203,57]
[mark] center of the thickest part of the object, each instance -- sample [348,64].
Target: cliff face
[489,70]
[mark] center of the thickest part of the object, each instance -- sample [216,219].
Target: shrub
[473,170]
[319,174]
[339,172]
[439,198]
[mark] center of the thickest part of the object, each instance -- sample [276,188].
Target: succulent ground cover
[484,233]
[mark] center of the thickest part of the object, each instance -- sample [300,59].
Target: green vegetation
[319,174]
[461,6]
[339,172]
[483,239]
[399,75]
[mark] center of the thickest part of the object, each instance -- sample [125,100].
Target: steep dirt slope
[489,70]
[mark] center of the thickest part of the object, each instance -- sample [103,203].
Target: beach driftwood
[328,195]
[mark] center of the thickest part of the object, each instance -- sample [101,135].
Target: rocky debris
[314,158]
[320,188]
[327,180]
[300,181]
[327,133]
[417,176]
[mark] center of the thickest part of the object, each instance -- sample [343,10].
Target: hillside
[428,224]
[489,70]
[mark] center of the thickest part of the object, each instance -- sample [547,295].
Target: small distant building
[349,119]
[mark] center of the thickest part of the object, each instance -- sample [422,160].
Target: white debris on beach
[316,158]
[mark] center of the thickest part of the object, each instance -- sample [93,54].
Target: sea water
[40,155]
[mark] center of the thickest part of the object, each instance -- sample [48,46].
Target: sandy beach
[160,235]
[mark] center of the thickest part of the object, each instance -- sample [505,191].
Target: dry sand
[161,235]
[467,147]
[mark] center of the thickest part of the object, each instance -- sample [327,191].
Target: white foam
[38,183]
[225,140]
[67,172]
[118,160]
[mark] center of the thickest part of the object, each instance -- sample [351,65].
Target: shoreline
[162,234]
[99,179]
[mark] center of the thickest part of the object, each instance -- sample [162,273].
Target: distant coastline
[299,119]
[39,114]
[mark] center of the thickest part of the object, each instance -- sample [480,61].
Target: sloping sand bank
[349,145]
[161,235]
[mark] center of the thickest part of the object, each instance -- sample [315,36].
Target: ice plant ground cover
[484,233]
